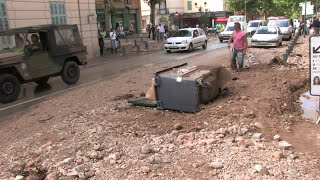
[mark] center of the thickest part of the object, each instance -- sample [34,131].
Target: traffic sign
[314,52]
[309,8]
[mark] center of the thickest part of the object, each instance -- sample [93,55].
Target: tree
[174,20]
[204,20]
[152,4]
[107,15]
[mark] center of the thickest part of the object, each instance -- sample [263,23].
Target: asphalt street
[97,72]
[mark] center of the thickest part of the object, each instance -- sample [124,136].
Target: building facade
[195,6]
[162,12]
[21,13]
[126,13]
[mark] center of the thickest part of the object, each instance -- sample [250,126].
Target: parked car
[267,36]
[186,40]
[285,27]
[254,25]
[36,53]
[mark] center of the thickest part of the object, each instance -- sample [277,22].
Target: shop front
[193,19]
[128,18]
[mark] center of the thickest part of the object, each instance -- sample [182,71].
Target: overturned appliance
[184,88]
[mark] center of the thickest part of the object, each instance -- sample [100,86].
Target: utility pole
[245,10]
[305,18]
[316,7]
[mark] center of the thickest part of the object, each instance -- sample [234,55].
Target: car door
[202,36]
[196,38]
[279,35]
[39,61]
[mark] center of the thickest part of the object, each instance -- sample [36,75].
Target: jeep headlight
[184,41]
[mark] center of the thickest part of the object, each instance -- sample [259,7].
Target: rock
[177,126]
[115,156]
[73,172]
[239,138]
[250,114]
[256,136]
[216,165]
[195,165]
[19,177]
[17,167]
[222,131]
[52,176]
[145,169]
[93,155]
[90,174]
[211,141]
[65,161]
[79,160]
[245,98]
[277,137]
[261,169]
[258,125]
[278,155]
[284,145]
[97,147]
[152,175]
[244,130]
[145,149]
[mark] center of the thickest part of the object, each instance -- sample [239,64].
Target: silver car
[267,36]
[285,27]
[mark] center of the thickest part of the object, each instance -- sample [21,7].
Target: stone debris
[284,145]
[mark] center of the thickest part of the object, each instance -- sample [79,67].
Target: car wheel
[221,40]
[204,46]
[42,81]
[168,51]
[280,43]
[70,73]
[9,88]
[190,47]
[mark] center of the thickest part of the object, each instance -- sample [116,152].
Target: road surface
[96,72]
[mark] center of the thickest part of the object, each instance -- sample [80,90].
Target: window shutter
[58,12]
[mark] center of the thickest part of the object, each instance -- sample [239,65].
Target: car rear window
[253,24]
[266,30]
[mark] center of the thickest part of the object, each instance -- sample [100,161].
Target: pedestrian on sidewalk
[240,45]
[149,30]
[161,32]
[296,26]
[316,25]
[153,30]
[113,37]
[308,26]
[101,42]
[158,33]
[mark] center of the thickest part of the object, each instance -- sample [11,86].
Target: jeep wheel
[204,46]
[70,73]
[42,81]
[221,40]
[9,88]
[190,47]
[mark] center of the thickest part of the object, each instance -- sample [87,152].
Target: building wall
[212,5]
[35,12]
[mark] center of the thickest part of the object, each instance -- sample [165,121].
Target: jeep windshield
[10,42]
[183,33]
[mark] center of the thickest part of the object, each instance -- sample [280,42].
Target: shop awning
[221,19]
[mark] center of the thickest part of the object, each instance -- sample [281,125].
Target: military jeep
[36,53]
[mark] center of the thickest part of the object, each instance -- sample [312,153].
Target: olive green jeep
[36,53]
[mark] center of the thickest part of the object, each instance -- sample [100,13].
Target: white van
[226,34]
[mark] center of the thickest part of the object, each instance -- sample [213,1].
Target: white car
[267,36]
[186,40]
[285,27]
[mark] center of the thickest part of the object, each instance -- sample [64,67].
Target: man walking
[240,45]
[315,25]
[161,31]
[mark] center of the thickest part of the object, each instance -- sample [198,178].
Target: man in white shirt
[308,26]
[296,26]
[161,31]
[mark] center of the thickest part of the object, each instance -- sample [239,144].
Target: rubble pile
[254,132]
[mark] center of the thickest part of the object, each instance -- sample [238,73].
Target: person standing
[296,26]
[161,31]
[113,37]
[149,30]
[316,25]
[240,45]
[153,30]
[101,42]
[308,24]
[158,33]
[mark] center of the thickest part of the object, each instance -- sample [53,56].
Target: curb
[289,50]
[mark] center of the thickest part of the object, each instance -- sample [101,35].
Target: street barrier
[290,47]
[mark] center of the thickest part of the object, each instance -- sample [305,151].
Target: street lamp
[200,7]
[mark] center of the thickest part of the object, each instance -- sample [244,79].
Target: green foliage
[174,20]
[163,19]
[204,20]
[288,8]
